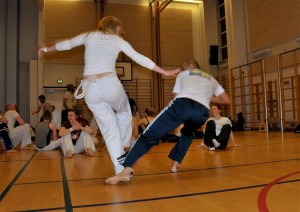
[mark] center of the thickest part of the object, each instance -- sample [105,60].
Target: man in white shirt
[20,134]
[194,89]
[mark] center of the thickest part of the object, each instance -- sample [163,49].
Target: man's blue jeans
[181,110]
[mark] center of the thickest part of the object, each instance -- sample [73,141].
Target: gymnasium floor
[263,175]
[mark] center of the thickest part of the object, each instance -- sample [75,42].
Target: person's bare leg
[123,176]
[175,166]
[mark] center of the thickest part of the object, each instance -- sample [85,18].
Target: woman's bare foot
[175,166]
[12,151]
[25,148]
[89,152]
[123,176]
[69,154]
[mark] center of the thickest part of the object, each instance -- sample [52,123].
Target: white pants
[51,146]
[109,103]
[83,143]
[21,134]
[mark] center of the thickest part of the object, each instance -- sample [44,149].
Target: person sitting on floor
[173,136]
[4,134]
[218,130]
[46,133]
[135,129]
[76,135]
[144,122]
[20,134]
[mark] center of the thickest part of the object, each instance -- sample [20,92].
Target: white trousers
[109,103]
[83,143]
[51,146]
[21,134]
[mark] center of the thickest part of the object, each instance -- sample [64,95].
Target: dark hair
[74,110]
[78,108]
[42,97]
[70,88]
[47,115]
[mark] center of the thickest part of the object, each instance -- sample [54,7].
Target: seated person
[135,129]
[144,122]
[218,130]
[76,135]
[199,133]
[93,123]
[4,134]
[46,133]
[21,133]
[45,105]
[172,136]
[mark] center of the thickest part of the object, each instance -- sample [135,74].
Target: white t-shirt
[102,50]
[220,123]
[197,85]
[11,117]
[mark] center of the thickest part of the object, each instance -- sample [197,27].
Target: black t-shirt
[76,133]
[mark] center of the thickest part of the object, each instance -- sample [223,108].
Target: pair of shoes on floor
[121,159]
[216,143]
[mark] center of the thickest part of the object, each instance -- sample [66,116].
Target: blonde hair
[191,62]
[149,111]
[109,24]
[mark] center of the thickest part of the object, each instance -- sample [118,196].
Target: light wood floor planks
[262,175]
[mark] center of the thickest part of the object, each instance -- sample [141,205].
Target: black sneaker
[122,158]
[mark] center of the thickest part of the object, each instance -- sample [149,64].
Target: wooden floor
[263,175]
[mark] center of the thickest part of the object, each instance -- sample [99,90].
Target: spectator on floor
[21,133]
[218,130]
[76,135]
[46,133]
[4,134]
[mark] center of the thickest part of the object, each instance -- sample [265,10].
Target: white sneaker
[216,143]
[212,148]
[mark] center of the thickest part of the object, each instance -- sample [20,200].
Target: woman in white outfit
[103,91]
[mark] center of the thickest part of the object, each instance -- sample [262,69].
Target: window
[222,31]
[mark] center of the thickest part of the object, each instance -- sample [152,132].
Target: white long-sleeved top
[101,51]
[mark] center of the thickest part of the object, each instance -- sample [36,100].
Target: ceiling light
[261,53]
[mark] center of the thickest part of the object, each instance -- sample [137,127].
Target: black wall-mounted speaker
[213,55]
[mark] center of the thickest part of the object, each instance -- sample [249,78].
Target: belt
[90,79]
[93,77]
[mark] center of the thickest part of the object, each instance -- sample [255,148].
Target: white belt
[90,79]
